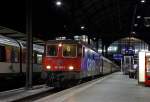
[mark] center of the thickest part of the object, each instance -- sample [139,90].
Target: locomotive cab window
[52,50]
[69,50]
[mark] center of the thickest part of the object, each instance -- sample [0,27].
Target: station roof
[107,19]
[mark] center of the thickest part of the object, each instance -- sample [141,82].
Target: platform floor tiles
[116,88]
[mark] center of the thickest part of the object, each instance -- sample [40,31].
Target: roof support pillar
[29,66]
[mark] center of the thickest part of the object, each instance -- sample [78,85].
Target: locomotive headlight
[60,45]
[48,67]
[71,67]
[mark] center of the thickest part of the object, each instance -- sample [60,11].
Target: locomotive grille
[60,62]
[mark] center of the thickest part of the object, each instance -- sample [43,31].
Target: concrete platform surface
[112,88]
[16,94]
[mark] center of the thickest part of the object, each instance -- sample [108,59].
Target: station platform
[112,88]
[17,94]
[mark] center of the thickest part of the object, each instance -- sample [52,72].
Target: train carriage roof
[38,48]
[8,41]
[11,42]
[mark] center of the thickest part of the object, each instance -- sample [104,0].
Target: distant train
[67,61]
[13,57]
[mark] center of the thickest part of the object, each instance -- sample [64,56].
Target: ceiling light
[58,3]
[138,16]
[133,32]
[82,27]
[135,25]
[142,1]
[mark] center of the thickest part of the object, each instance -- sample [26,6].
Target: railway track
[38,96]
[54,91]
[38,92]
[51,92]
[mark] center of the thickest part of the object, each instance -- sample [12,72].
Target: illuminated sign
[117,56]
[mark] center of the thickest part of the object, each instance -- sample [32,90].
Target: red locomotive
[67,61]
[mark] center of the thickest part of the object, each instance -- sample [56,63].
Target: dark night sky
[12,14]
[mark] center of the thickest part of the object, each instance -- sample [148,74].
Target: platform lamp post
[29,66]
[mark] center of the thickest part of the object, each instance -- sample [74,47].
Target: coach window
[14,55]
[39,58]
[52,50]
[2,54]
[8,55]
[24,53]
[69,50]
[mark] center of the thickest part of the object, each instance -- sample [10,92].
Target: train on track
[67,61]
[60,62]
[13,58]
